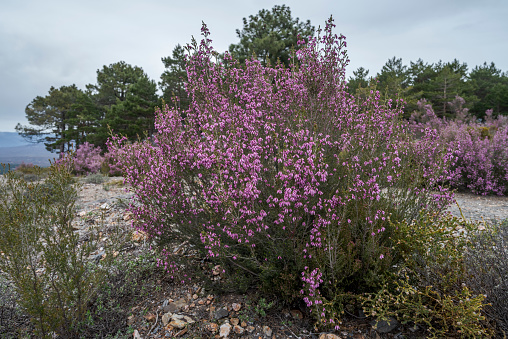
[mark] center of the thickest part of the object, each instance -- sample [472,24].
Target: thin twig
[243,268]
[156,320]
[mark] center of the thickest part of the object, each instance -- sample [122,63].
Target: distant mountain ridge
[15,150]
[12,139]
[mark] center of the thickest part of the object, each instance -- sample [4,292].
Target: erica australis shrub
[284,174]
[88,158]
[480,149]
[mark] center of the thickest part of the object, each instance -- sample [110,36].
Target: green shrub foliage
[40,252]
[431,286]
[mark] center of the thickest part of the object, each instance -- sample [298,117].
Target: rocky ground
[480,207]
[170,310]
[190,311]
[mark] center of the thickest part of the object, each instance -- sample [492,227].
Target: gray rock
[166,317]
[97,258]
[267,331]
[221,313]
[385,326]
[175,306]
[177,323]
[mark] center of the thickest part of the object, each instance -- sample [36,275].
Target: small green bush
[94,178]
[41,254]
[30,172]
[430,286]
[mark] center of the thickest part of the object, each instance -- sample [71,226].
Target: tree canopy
[48,117]
[270,35]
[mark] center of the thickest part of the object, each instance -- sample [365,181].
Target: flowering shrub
[279,172]
[110,165]
[481,149]
[88,159]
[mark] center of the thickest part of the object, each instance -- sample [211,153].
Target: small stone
[238,330]
[221,313]
[267,331]
[234,321]
[201,302]
[195,296]
[177,323]
[136,335]
[414,328]
[224,330]
[105,206]
[212,327]
[328,336]
[216,270]
[138,235]
[175,306]
[385,326]
[236,307]
[82,213]
[250,329]
[189,320]
[166,317]
[243,324]
[150,317]
[130,320]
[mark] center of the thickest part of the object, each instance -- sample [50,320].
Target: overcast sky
[55,43]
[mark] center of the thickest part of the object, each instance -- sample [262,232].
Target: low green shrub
[94,178]
[29,172]
[431,286]
[41,254]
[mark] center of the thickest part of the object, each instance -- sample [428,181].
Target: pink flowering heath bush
[282,175]
[480,148]
[88,159]
[111,165]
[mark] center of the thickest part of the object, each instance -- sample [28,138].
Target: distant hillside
[11,139]
[14,150]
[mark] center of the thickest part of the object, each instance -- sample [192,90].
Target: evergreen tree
[49,118]
[490,86]
[84,120]
[393,77]
[174,77]
[126,99]
[270,36]
[359,80]
[134,116]
[449,82]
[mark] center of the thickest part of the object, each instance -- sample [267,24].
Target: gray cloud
[58,42]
